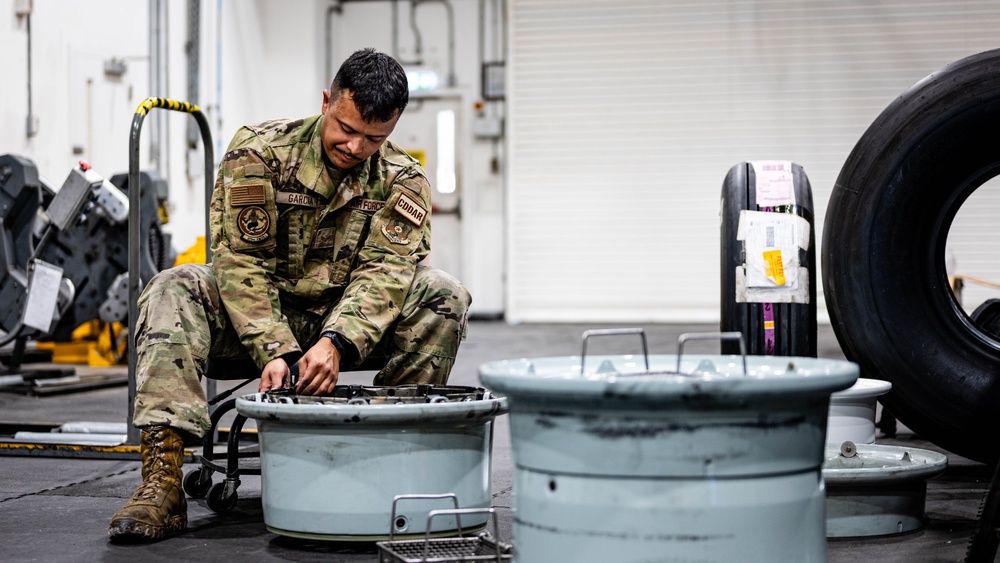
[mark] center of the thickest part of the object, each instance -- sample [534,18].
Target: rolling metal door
[624,117]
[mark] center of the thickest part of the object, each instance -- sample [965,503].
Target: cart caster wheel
[193,484]
[218,501]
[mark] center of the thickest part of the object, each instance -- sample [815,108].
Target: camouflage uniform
[297,252]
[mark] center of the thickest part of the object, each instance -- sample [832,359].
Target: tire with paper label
[884,273]
[771,301]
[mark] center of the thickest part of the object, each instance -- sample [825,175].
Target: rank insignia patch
[396,231]
[253,223]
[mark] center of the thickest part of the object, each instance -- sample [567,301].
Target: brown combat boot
[158,507]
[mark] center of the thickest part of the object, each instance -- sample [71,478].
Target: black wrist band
[337,339]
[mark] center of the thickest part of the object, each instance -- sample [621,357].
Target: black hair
[376,82]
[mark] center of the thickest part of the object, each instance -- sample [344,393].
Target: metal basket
[381,395]
[481,547]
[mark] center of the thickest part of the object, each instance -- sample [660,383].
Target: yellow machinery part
[91,344]
[193,255]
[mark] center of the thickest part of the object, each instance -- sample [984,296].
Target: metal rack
[480,547]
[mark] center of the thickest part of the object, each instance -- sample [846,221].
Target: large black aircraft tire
[883,256]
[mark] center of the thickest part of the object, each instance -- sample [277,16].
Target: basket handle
[712,336]
[397,498]
[456,512]
[613,332]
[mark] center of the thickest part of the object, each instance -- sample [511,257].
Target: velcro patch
[249,170]
[397,232]
[366,205]
[247,194]
[253,223]
[324,238]
[295,198]
[409,208]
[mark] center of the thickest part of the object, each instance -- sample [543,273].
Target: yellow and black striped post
[135,284]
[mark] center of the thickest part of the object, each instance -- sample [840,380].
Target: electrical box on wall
[493,81]
[487,127]
[22,8]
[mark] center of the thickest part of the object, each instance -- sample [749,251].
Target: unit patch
[397,231]
[246,194]
[366,205]
[295,198]
[253,223]
[409,208]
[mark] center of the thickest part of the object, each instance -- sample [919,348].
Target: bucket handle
[397,498]
[712,336]
[456,512]
[613,332]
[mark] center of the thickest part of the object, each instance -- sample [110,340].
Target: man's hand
[319,369]
[275,376]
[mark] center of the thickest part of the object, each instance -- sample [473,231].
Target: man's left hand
[319,369]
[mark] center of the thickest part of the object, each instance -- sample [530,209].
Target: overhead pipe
[192,50]
[30,125]
[395,29]
[337,7]
[417,41]
[218,80]
[451,34]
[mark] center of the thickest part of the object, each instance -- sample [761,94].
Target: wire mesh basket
[481,547]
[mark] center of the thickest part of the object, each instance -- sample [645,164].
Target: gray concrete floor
[57,509]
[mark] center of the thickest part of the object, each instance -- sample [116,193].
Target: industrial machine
[64,253]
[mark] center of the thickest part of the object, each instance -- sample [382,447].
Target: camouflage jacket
[284,233]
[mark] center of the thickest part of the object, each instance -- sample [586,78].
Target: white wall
[625,116]
[777,65]
[75,104]
[260,59]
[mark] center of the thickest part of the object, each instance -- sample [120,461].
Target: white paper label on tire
[771,243]
[775,184]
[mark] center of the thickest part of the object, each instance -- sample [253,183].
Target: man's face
[347,138]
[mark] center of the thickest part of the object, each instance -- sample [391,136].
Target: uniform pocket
[346,243]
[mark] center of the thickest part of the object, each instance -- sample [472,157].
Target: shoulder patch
[410,209]
[397,232]
[253,223]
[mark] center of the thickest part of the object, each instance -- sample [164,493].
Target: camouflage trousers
[182,323]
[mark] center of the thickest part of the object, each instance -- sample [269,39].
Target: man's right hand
[276,375]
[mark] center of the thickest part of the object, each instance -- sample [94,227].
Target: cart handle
[134,283]
[397,498]
[456,512]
